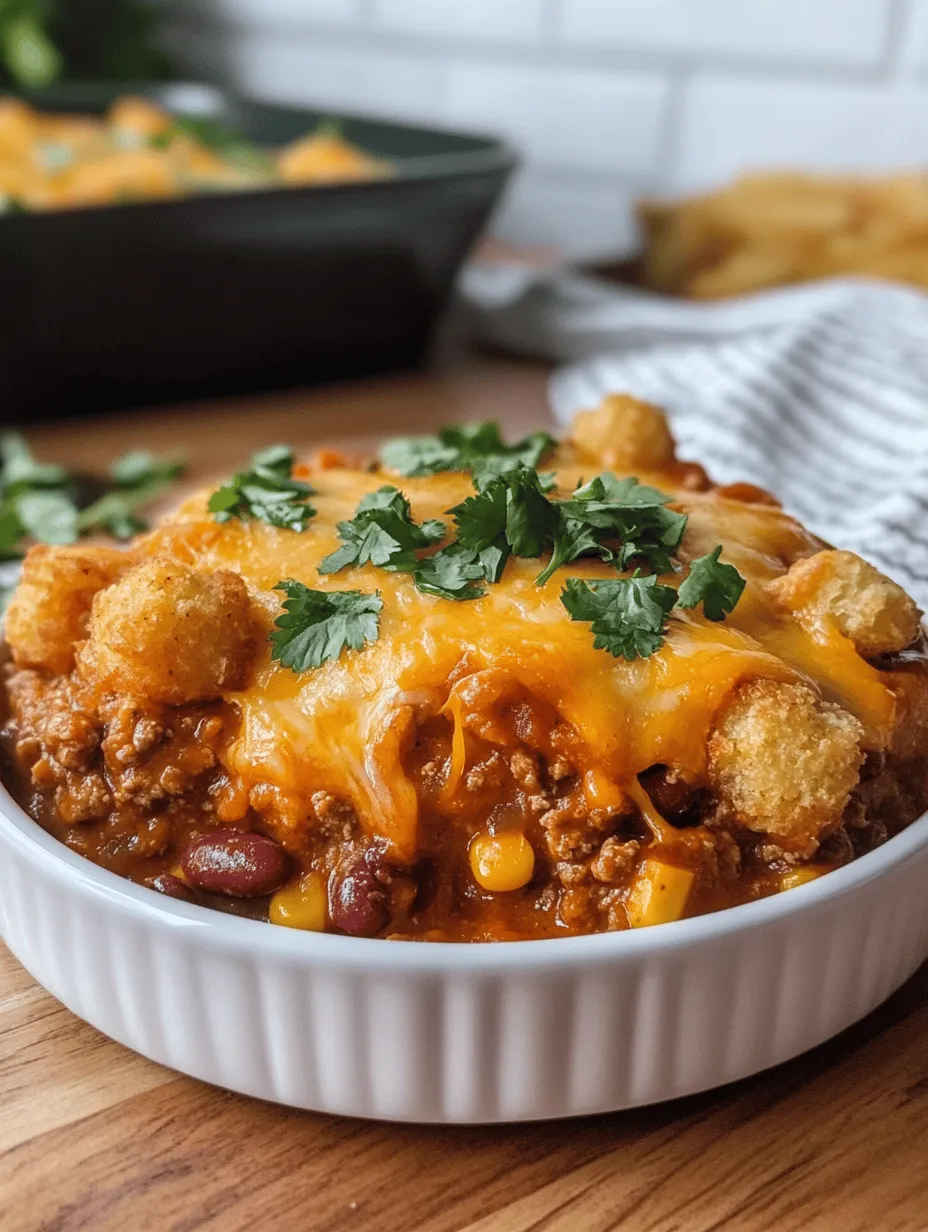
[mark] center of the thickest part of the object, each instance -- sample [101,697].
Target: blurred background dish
[159,299]
[628,120]
[138,151]
[609,101]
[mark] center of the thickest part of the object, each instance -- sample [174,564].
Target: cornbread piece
[784,763]
[171,634]
[51,607]
[876,614]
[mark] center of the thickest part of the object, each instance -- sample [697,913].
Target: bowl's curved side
[612,1027]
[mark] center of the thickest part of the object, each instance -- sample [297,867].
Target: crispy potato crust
[783,762]
[876,614]
[171,634]
[50,609]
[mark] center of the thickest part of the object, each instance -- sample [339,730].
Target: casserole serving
[496,702]
[471,692]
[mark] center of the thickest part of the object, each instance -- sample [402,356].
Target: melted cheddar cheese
[345,727]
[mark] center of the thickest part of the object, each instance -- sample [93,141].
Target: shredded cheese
[344,727]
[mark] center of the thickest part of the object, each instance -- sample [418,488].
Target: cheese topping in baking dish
[703,704]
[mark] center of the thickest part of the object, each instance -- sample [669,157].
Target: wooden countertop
[93,1137]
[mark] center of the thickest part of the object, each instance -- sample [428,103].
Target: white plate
[414,1031]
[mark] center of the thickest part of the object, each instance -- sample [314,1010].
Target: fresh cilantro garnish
[531,519]
[383,533]
[267,492]
[137,477]
[715,585]
[19,469]
[139,469]
[11,532]
[511,515]
[626,511]
[452,574]
[628,615]
[574,538]
[317,625]
[465,447]
[49,516]
[45,502]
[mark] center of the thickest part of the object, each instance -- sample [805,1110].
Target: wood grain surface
[93,1137]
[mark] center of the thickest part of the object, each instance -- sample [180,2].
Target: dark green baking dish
[155,301]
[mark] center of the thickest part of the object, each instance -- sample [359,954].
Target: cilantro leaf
[382,533]
[137,476]
[481,519]
[510,516]
[11,531]
[609,489]
[628,615]
[492,560]
[277,458]
[48,516]
[717,586]
[316,625]
[19,469]
[452,573]
[573,539]
[267,493]
[634,514]
[141,469]
[531,519]
[42,500]
[465,447]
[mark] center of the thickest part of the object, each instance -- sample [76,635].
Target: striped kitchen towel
[817,393]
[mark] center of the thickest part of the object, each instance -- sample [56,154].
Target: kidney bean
[173,887]
[359,898]
[236,863]
[675,800]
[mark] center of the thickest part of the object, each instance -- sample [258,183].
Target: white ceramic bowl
[414,1031]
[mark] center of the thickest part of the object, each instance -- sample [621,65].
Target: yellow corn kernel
[658,893]
[301,904]
[603,792]
[502,861]
[799,876]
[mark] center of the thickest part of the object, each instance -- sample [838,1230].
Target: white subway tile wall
[837,32]
[575,119]
[482,19]
[606,99]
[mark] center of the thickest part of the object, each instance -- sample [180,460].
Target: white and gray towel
[817,393]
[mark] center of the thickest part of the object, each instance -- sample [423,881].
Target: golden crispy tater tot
[171,634]
[783,763]
[50,608]
[623,432]
[868,607]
